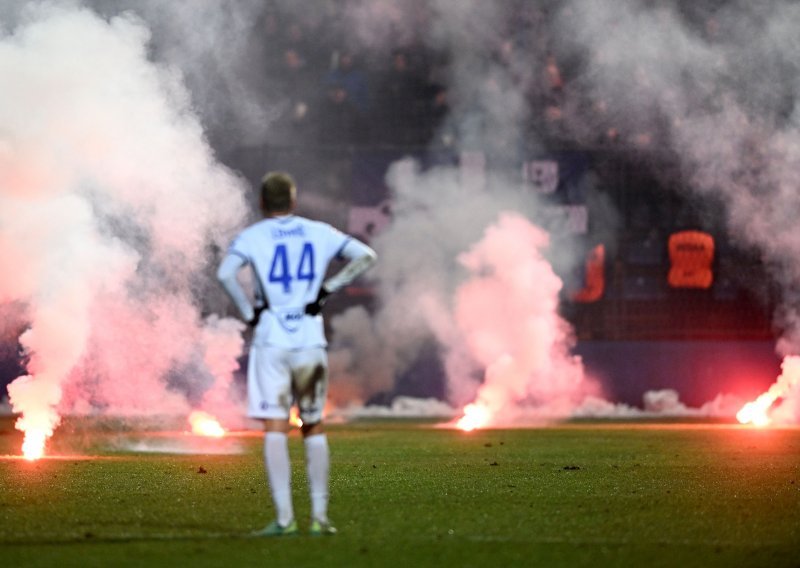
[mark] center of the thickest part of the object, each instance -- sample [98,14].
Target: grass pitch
[408,494]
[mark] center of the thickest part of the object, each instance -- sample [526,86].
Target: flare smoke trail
[111,195]
[110,203]
[430,277]
[489,300]
[715,88]
[508,314]
[712,86]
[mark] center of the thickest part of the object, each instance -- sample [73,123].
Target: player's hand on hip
[315,307]
[256,314]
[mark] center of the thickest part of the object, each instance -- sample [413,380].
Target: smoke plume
[457,271]
[507,312]
[714,89]
[463,264]
[111,203]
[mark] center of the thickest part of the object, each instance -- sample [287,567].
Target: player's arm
[360,258]
[226,274]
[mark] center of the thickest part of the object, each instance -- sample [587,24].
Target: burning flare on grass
[507,314]
[39,423]
[475,416]
[101,254]
[203,424]
[756,411]
[294,418]
[33,445]
[763,411]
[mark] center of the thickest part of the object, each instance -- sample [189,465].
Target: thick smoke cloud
[111,204]
[708,87]
[220,49]
[438,215]
[507,312]
[713,89]
[430,292]
[112,198]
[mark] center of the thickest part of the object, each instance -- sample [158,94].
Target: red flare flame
[759,411]
[33,444]
[203,424]
[294,418]
[475,416]
[756,412]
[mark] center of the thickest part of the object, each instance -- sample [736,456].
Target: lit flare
[33,444]
[475,416]
[762,411]
[756,412]
[203,424]
[294,418]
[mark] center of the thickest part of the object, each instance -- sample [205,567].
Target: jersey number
[280,272]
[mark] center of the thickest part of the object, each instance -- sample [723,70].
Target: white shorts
[278,378]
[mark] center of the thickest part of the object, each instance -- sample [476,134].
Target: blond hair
[278,192]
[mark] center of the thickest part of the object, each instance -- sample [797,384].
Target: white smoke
[110,203]
[715,91]
[664,403]
[441,213]
[219,49]
[401,407]
[378,25]
[187,445]
[102,152]
[481,306]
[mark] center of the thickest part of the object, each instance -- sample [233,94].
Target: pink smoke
[507,313]
[110,201]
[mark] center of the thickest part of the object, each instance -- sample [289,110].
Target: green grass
[407,494]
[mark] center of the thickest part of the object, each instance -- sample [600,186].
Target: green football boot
[277,529]
[318,528]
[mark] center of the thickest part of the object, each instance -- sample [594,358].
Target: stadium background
[641,333]
[343,109]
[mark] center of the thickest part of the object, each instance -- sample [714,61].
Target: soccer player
[289,257]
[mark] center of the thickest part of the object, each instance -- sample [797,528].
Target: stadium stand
[352,111]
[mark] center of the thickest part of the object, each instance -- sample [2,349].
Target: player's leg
[311,388]
[269,399]
[318,468]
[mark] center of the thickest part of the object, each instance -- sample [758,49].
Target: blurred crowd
[345,72]
[339,76]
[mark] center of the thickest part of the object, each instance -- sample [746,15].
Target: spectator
[555,81]
[269,38]
[339,120]
[399,108]
[297,98]
[345,73]
[437,109]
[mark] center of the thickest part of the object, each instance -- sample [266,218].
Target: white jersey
[289,256]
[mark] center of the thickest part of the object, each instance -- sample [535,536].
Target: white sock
[318,465]
[279,473]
